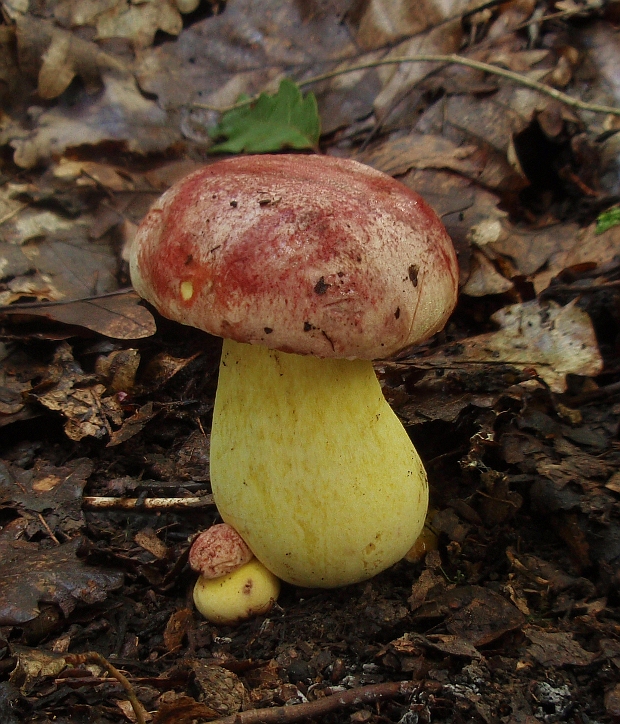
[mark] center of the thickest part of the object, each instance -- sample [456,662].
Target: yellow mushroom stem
[312,467]
[250,590]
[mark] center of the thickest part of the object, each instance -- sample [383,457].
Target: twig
[50,532]
[110,502]
[93,657]
[339,700]
[449,59]
[593,395]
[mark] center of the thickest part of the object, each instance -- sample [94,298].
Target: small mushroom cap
[248,591]
[218,551]
[305,254]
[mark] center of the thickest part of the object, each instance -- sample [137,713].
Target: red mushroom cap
[217,551]
[306,254]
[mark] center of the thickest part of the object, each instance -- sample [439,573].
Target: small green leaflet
[607,219]
[284,120]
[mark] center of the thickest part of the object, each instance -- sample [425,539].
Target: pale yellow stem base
[312,467]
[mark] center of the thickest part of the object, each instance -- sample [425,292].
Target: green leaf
[284,120]
[607,219]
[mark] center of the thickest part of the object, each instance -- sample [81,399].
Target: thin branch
[449,59]
[109,502]
[96,658]
[319,707]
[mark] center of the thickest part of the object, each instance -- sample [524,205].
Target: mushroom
[309,267]
[233,585]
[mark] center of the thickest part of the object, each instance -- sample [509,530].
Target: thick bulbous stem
[312,467]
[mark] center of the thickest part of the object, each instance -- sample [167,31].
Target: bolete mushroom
[233,585]
[309,267]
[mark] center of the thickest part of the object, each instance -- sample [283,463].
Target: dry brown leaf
[120,316]
[398,80]
[127,708]
[77,396]
[33,664]
[384,22]
[555,341]
[396,156]
[12,392]
[557,648]
[581,247]
[183,710]
[91,173]
[223,689]
[133,425]
[29,576]
[484,278]
[118,111]
[531,250]
[149,540]
[177,627]
[139,21]
[542,254]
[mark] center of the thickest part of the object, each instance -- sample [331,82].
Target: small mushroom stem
[312,467]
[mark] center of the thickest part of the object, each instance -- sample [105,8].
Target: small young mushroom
[309,267]
[217,551]
[233,585]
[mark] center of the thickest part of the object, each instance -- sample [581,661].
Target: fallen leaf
[148,539]
[399,79]
[448,644]
[77,396]
[127,708]
[556,648]
[484,278]
[554,340]
[221,688]
[378,23]
[272,123]
[226,63]
[48,488]
[29,576]
[482,616]
[32,665]
[183,710]
[133,425]
[396,156]
[117,112]
[12,392]
[140,21]
[177,627]
[91,173]
[608,219]
[119,316]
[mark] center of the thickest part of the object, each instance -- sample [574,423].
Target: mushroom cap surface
[217,551]
[304,254]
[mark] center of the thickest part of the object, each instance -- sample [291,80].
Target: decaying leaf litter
[105,409]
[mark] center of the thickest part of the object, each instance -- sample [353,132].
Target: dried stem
[108,502]
[92,657]
[449,59]
[319,707]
